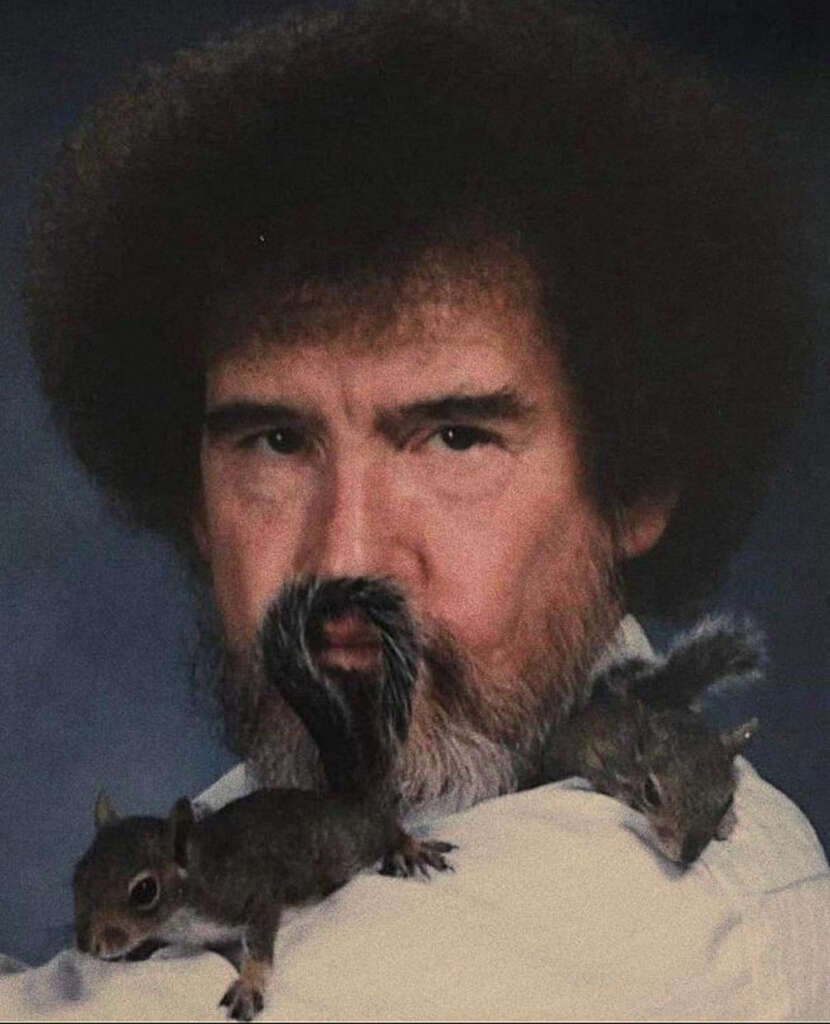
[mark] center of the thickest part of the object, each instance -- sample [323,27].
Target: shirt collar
[629,641]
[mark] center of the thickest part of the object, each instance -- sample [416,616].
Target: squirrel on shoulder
[638,740]
[221,882]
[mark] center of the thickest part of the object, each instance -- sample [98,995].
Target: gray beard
[472,736]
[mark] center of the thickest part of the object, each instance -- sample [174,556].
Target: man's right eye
[279,440]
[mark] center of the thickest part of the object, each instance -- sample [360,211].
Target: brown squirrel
[638,740]
[223,880]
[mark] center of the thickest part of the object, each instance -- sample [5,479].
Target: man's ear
[642,524]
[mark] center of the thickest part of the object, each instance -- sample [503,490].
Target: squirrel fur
[223,880]
[637,739]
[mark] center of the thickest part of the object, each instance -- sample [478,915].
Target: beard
[474,733]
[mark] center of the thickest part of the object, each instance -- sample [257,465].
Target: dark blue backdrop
[95,621]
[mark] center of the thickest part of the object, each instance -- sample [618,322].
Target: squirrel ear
[105,813]
[734,740]
[181,821]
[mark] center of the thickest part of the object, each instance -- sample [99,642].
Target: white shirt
[559,907]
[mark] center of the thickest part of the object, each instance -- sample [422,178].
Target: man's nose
[356,520]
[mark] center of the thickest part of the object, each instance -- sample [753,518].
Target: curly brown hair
[340,147]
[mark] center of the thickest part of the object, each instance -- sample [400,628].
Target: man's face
[438,451]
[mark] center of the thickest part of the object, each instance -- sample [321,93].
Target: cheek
[500,574]
[249,555]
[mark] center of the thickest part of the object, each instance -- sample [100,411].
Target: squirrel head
[130,881]
[686,780]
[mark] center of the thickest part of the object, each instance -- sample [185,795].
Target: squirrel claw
[416,855]
[243,1000]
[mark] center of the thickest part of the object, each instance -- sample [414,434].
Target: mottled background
[96,622]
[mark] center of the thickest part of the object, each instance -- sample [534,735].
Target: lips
[348,642]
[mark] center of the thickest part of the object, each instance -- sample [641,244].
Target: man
[485,299]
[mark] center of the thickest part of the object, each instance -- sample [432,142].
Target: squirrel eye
[651,794]
[144,892]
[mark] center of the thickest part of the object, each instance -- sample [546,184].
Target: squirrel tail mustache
[358,719]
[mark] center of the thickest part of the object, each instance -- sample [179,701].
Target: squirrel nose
[110,940]
[693,846]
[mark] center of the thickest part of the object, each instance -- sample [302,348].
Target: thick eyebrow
[503,404]
[245,414]
[239,415]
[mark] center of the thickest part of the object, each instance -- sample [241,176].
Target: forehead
[461,336]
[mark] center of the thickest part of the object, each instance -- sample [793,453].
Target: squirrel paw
[242,999]
[413,855]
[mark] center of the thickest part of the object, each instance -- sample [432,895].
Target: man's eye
[280,440]
[461,438]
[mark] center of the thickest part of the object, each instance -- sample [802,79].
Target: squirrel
[638,740]
[223,880]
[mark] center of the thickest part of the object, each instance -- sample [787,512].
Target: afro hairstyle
[345,146]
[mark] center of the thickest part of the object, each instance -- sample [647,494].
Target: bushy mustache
[358,718]
[473,735]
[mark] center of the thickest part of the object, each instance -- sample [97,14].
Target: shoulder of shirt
[772,846]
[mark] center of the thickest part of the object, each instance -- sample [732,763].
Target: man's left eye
[460,438]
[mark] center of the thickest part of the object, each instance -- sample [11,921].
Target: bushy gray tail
[357,721]
[715,652]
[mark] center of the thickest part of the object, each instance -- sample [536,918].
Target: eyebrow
[246,414]
[502,404]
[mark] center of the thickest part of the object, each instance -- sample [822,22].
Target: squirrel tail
[358,720]
[717,650]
